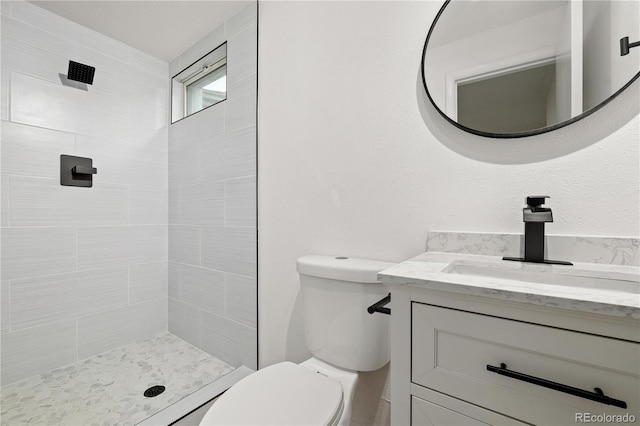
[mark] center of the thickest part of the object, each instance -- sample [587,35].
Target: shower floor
[107,389]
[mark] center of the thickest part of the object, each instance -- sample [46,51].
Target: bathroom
[342,154]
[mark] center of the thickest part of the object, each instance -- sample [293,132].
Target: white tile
[20,57]
[5,8]
[107,330]
[33,151]
[42,300]
[174,280]
[229,249]
[204,124]
[240,106]
[242,56]
[184,321]
[4,94]
[14,31]
[174,206]
[148,205]
[241,297]
[54,106]
[112,246]
[184,244]
[240,201]
[47,21]
[202,204]
[230,156]
[175,67]
[102,45]
[44,202]
[232,342]
[184,166]
[30,252]
[202,47]
[247,17]
[148,281]
[35,350]
[202,288]
[149,63]
[5,308]
[4,201]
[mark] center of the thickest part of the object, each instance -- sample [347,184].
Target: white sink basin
[548,274]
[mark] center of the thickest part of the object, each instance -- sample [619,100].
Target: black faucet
[534,217]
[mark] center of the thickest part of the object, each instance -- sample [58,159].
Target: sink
[546,274]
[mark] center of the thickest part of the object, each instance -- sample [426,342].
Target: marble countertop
[429,271]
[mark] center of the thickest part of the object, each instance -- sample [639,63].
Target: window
[201,85]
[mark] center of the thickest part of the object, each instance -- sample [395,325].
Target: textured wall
[84,270]
[354,160]
[212,205]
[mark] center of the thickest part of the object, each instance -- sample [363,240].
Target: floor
[107,389]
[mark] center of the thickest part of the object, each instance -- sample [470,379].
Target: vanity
[479,340]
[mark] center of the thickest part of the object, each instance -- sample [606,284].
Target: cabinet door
[425,413]
[452,352]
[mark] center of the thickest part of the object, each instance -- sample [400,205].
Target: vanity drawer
[425,413]
[451,352]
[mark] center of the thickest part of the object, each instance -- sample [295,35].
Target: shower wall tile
[202,204]
[4,201]
[44,202]
[112,246]
[174,280]
[148,205]
[241,299]
[33,151]
[4,94]
[38,349]
[230,249]
[241,103]
[31,252]
[42,300]
[46,21]
[232,342]
[184,166]
[240,202]
[148,281]
[243,55]
[5,306]
[184,244]
[229,156]
[246,18]
[212,40]
[202,288]
[20,57]
[184,321]
[101,332]
[15,31]
[205,124]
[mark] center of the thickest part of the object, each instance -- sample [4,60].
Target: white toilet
[343,339]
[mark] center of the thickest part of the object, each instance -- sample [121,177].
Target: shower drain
[154,391]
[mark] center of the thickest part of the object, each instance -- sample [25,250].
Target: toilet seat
[281,394]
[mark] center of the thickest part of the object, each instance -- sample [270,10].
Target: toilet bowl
[343,339]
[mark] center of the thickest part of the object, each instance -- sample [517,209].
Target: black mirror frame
[515,134]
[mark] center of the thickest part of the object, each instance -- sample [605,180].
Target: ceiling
[161,28]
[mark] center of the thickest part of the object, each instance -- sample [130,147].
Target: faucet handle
[536,200]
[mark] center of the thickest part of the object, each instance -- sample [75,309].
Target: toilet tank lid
[342,268]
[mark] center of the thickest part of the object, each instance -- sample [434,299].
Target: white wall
[84,270]
[355,161]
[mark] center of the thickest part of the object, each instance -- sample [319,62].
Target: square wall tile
[42,300]
[232,342]
[30,252]
[35,350]
[230,249]
[101,332]
[148,281]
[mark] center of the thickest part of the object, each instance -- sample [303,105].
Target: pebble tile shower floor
[107,389]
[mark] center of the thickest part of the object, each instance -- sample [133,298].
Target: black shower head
[80,72]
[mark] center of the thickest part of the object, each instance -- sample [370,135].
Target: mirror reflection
[505,68]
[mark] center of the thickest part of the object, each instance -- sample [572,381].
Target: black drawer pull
[597,396]
[379,306]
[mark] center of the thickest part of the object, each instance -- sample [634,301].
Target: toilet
[343,339]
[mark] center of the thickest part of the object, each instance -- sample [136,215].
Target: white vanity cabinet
[466,360]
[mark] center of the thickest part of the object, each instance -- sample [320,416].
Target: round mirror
[513,68]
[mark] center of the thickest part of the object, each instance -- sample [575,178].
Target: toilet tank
[336,292]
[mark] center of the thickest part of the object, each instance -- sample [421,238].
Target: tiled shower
[163,246]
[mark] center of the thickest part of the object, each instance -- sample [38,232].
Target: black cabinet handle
[379,306]
[597,396]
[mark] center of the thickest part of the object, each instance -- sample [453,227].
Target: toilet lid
[281,394]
